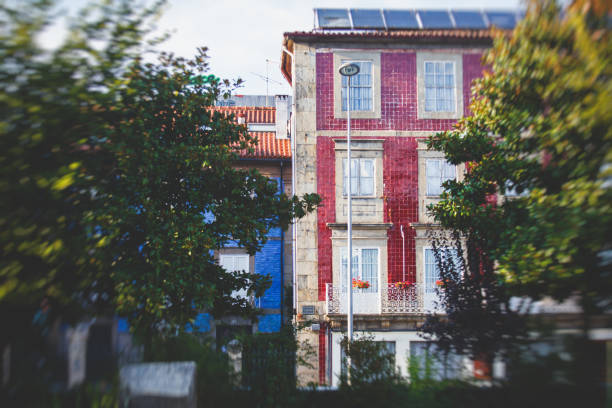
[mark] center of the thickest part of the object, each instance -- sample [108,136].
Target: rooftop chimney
[282,116]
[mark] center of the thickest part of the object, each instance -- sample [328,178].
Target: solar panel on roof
[501,19]
[333,18]
[468,19]
[401,19]
[367,19]
[435,19]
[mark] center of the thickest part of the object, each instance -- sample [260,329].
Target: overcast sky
[244,37]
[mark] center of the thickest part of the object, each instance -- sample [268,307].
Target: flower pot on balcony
[403,285]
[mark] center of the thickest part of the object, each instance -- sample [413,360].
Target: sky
[244,37]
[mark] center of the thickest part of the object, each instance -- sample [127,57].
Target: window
[365,86]
[362,177]
[364,267]
[437,172]
[439,86]
[512,191]
[378,354]
[361,87]
[428,362]
[432,274]
[235,263]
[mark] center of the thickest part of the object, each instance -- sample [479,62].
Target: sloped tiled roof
[447,37]
[474,34]
[269,147]
[253,114]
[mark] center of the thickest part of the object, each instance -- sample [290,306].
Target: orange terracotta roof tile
[252,114]
[269,147]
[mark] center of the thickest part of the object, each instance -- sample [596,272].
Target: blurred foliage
[269,362]
[479,319]
[541,126]
[117,182]
[215,381]
[371,364]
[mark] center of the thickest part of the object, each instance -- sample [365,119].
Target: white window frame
[440,57]
[357,177]
[434,89]
[445,366]
[428,286]
[242,293]
[374,288]
[341,57]
[444,164]
[355,86]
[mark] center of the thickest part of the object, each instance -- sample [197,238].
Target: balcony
[414,299]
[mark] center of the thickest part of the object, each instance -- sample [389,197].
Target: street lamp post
[349,70]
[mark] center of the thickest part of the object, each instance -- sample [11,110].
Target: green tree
[540,124]
[118,178]
[50,104]
[172,195]
[540,128]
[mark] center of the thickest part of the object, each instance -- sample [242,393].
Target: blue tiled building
[272,157]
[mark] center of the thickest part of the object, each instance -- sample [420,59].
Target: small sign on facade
[308,310]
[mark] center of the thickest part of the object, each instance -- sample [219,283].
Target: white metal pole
[349,233]
[350,217]
[349,70]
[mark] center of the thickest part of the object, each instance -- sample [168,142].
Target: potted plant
[403,285]
[359,284]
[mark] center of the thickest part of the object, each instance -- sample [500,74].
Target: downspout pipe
[403,253]
[293,150]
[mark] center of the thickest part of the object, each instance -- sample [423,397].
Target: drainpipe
[293,150]
[403,254]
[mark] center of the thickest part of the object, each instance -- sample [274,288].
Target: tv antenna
[267,77]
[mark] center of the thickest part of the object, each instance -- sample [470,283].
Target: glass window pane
[431,271]
[366,186]
[367,168]
[433,186]
[429,67]
[448,67]
[448,170]
[430,105]
[429,80]
[449,80]
[369,268]
[432,168]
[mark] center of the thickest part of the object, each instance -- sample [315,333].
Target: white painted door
[365,267]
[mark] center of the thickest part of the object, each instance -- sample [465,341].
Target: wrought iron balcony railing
[413,299]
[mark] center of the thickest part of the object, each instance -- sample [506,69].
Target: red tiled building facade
[413,84]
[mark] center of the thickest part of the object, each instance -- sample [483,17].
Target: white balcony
[414,299]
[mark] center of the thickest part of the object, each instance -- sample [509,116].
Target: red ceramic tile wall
[322,354]
[398,94]
[400,161]
[401,205]
[327,210]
